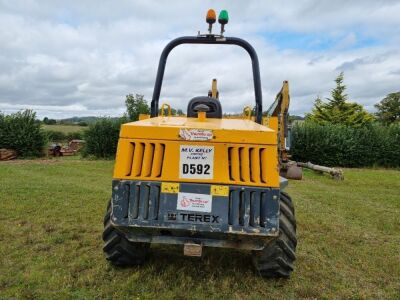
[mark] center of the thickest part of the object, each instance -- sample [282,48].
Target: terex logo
[199,218]
[186,217]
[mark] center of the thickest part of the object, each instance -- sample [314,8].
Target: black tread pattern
[117,249]
[278,256]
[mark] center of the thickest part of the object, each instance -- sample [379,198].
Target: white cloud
[82,58]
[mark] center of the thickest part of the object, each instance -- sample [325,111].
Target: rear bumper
[235,216]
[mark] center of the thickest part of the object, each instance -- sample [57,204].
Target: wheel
[117,249]
[278,256]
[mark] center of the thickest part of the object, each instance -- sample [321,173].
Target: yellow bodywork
[245,153]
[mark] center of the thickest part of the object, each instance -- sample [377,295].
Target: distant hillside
[76,120]
[296,118]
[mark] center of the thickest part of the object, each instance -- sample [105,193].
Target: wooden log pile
[7,154]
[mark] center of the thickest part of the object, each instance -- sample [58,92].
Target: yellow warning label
[220,190]
[169,187]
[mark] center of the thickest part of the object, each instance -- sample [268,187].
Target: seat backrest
[215,110]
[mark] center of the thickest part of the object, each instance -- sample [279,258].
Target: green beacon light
[223,19]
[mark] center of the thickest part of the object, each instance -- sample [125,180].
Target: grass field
[50,241]
[64,128]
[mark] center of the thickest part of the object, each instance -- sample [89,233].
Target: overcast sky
[80,58]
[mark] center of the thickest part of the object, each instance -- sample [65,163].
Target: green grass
[64,128]
[50,241]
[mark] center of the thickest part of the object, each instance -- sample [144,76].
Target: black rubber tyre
[278,256]
[117,249]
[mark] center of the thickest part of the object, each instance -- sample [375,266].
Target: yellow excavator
[279,112]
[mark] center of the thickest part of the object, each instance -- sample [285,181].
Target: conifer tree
[337,110]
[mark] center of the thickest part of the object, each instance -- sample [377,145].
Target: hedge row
[336,145]
[21,132]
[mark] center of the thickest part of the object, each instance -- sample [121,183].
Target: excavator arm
[279,109]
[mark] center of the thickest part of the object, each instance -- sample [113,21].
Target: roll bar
[209,39]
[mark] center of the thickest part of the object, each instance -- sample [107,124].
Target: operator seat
[214,111]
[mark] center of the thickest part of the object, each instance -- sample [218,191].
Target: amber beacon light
[211,18]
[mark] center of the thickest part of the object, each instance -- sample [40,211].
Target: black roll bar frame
[213,40]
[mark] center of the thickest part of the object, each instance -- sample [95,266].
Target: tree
[389,109]
[338,95]
[338,110]
[174,112]
[136,105]
[48,121]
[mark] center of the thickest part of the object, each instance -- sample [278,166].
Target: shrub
[337,145]
[55,136]
[102,138]
[21,132]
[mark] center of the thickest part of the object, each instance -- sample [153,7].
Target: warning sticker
[194,202]
[196,134]
[220,190]
[196,162]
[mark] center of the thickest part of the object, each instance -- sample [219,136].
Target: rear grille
[146,159]
[140,201]
[247,208]
[247,164]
